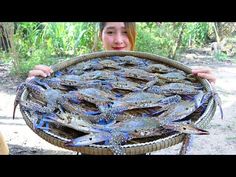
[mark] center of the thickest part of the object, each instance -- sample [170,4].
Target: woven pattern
[137,148]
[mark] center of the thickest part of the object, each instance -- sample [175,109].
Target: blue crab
[175,88]
[95,64]
[130,61]
[176,112]
[117,134]
[19,92]
[99,75]
[122,84]
[177,76]
[98,97]
[139,127]
[54,83]
[159,68]
[136,74]
[143,100]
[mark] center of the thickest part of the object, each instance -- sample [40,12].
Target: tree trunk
[216,30]
[7,40]
[178,41]
[4,38]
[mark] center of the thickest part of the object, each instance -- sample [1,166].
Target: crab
[175,88]
[143,100]
[117,134]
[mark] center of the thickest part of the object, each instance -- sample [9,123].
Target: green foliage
[160,41]
[38,57]
[149,26]
[4,56]
[163,39]
[37,43]
[195,34]
[27,38]
[148,42]
[69,39]
[220,56]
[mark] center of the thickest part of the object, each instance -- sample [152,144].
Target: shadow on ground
[22,150]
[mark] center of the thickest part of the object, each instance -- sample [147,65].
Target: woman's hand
[205,73]
[40,70]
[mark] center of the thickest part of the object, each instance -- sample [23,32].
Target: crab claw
[19,90]
[194,130]
[218,102]
[14,109]
[198,99]
[216,98]
[89,139]
[186,128]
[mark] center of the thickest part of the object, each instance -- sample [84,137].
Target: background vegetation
[25,44]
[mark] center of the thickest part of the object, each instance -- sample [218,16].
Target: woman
[4,150]
[119,36]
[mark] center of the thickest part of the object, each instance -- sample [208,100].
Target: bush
[151,43]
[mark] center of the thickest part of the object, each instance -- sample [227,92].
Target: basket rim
[129,149]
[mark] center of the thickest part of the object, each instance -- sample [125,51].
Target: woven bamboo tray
[130,149]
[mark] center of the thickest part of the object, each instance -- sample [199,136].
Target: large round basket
[130,149]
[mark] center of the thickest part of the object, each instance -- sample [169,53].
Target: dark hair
[130,28]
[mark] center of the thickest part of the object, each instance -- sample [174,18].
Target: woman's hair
[130,28]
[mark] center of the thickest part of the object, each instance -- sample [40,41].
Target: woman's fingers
[205,73]
[40,70]
[46,69]
[37,73]
[207,76]
[204,70]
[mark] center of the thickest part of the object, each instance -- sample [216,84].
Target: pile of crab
[115,101]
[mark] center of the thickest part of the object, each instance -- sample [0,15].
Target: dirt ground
[222,139]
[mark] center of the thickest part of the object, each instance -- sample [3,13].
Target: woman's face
[114,36]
